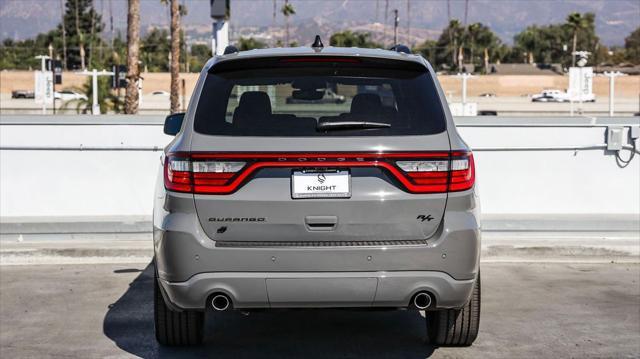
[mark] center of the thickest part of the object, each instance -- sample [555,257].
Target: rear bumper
[191,266]
[318,289]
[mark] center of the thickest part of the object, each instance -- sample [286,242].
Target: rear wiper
[345,125]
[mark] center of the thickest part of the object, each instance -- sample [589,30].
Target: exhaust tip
[422,300]
[220,302]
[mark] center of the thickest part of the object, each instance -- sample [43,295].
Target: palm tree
[575,22]
[175,56]
[80,37]
[133,55]
[287,10]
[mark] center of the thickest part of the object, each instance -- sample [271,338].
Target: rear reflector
[224,173]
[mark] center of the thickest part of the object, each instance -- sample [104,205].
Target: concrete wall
[56,168]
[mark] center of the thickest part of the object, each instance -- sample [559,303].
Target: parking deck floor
[529,310]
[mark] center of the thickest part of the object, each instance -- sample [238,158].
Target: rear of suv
[271,197]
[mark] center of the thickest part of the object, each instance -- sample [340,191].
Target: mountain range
[615,19]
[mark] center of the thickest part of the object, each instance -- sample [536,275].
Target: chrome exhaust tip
[422,300]
[220,302]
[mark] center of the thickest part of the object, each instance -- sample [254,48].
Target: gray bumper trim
[272,244]
[319,289]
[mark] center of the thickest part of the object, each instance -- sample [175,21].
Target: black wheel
[455,327]
[176,328]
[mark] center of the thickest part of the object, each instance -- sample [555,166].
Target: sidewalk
[552,247]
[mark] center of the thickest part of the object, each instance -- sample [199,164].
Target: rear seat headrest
[255,102]
[366,103]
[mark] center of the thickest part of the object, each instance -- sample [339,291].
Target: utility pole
[111,22]
[396,21]
[409,23]
[273,23]
[386,13]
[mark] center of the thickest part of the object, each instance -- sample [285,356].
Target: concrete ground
[580,310]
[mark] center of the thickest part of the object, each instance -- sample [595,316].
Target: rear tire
[455,327]
[175,328]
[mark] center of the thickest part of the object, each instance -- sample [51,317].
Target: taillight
[455,173]
[199,176]
[462,173]
[224,173]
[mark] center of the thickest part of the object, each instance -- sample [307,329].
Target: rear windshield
[297,101]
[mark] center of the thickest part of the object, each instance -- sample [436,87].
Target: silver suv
[264,202]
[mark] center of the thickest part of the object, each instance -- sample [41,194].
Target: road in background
[528,310]
[512,93]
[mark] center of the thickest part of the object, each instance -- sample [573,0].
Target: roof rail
[401,48]
[230,49]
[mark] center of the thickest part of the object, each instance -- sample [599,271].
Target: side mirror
[173,123]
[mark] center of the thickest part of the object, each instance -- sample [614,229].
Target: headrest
[255,102]
[366,103]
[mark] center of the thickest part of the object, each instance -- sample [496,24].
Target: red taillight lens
[177,174]
[224,173]
[462,172]
[440,175]
[188,174]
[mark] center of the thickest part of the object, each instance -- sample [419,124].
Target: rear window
[294,100]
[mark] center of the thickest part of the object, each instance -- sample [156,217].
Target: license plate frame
[341,179]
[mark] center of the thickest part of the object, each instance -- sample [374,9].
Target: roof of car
[309,51]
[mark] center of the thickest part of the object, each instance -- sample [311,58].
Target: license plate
[322,184]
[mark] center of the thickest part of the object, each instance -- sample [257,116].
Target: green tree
[473,42]
[20,54]
[448,44]
[154,50]
[249,43]
[632,46]
[576,23]
[287,10]
[199,55]
[479,39]
[353,39]
[107,100]
[428,50]
[83,26]
[547,44]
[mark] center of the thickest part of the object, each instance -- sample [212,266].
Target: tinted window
[292,101]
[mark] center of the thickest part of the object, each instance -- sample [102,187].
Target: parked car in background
[327,97]
[69,95]
[487,94]
[560,96]
[551,96]
[22,94]
[160,93]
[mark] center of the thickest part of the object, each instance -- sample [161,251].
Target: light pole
[95,106]
[612,79]
[396,21]
[464,76]
[220,16]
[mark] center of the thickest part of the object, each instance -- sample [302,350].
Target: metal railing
[461,122]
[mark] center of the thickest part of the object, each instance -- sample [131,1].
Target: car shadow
[300,333]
